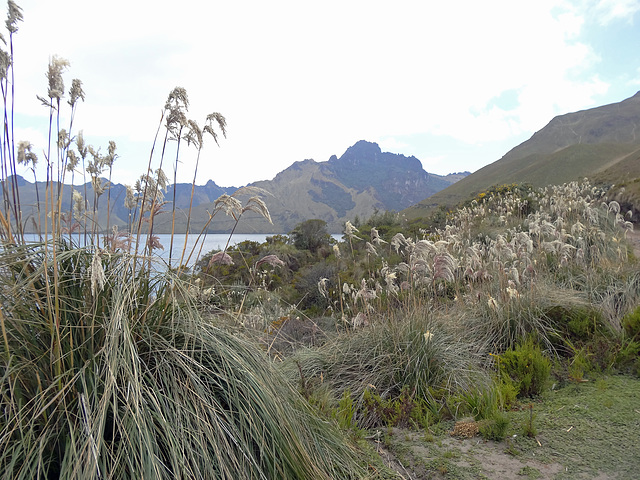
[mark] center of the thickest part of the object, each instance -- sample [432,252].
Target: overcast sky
[456,84]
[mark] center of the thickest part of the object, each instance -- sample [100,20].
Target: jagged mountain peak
[364,153]
[361,149]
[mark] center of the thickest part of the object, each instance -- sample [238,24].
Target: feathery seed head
[130,200]
[221,258]
[492,303]
[14,15]
[97,274]
[178,99]
[111,154]
[82,148]
[25,155]
[153,242]
[350,230]
[257,205]
[375,237]
[614,207]
[398,241]
[99,187]
[230,205]
[78,205]
[194,134]
[322,287]
[162,179]
[63,139]
[54,75]
[220,121]
[72,160]
[5,62]
[272,260]
[76,92]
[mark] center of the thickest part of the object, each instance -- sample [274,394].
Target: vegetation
[109,369]
[280,360]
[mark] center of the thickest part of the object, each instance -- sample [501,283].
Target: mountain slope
[362,180]
[587,143]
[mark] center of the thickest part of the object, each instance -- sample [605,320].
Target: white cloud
[298,80]
[609,11]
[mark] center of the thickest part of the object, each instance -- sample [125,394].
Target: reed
[109,370]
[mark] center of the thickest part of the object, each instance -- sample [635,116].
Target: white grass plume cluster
[491,262]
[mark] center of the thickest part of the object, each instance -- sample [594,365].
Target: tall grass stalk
[108,368]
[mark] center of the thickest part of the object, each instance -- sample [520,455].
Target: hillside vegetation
[601,144]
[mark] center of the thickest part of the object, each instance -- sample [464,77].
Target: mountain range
[602,144]
[358,183]
[364,179]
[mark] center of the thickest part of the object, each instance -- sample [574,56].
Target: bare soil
[587,431]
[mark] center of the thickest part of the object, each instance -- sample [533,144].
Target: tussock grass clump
[412,351]
[115,377]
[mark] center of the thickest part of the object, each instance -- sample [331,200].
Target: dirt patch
[468,458]
[585,431]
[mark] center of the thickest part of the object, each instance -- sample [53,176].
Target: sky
[456,84]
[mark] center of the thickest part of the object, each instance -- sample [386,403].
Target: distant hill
[601,143]
[362,180]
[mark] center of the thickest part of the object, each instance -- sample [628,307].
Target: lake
[213,241]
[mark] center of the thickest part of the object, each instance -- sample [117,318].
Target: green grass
[584,430]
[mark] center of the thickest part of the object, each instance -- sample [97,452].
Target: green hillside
[600,144]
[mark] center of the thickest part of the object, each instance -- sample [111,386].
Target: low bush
[494,428]
[403,411]
[526,367]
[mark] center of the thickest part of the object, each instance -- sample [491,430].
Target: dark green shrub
[631,324]
[628,358]
[311,235]
[345,413]
[577,323]
[403,411]
[494,428]
[527,367]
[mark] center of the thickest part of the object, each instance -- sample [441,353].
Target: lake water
[213,241]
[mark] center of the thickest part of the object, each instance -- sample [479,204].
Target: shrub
[403,411]
[631,324]
[495,428]
[526,367]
